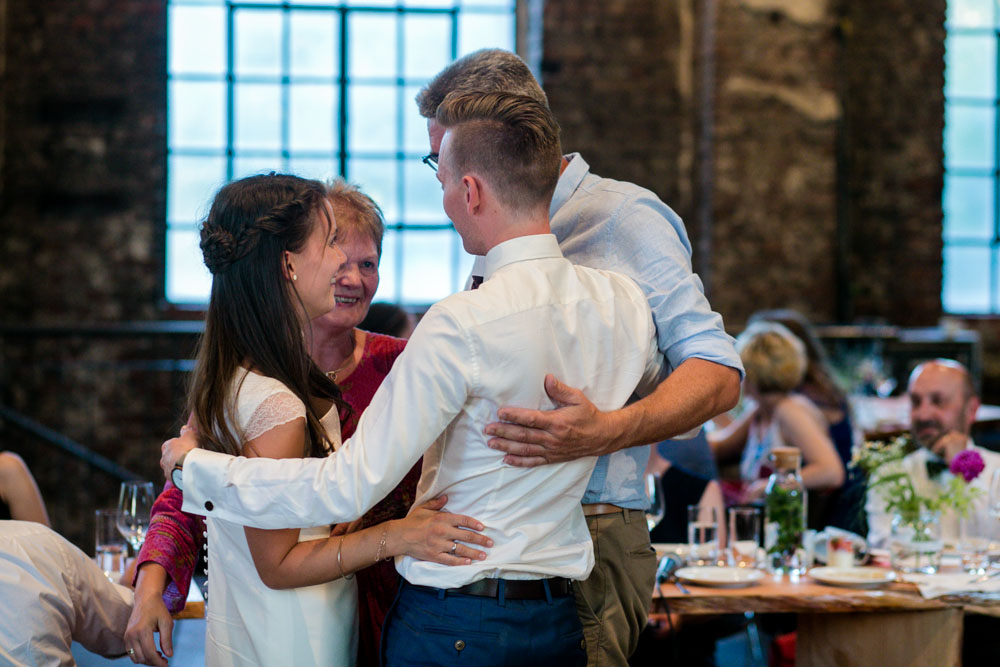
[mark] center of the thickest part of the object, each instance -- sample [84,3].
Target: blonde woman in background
[775,363]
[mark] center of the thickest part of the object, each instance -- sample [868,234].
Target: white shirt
[51,594]
[536,313]
[914,464]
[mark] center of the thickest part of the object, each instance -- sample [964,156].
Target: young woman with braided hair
[270,242]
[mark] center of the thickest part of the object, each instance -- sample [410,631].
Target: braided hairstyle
[254,314]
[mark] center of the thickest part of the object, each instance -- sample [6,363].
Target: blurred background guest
[775,362]
[389,319]
[19,496]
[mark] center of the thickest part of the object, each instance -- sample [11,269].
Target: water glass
[974,543]
[703,535]
[744,535]
[110,549]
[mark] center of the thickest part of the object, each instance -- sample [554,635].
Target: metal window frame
[342,153]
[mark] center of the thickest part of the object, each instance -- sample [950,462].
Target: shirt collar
[569,181]
[522,248]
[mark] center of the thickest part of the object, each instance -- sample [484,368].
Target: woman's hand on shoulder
[429,533]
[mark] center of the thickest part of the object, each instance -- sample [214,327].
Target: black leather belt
[514,589]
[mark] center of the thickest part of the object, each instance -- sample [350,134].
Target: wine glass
[656,508]
[135,502]
[994,497]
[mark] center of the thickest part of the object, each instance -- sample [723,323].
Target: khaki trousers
[614,601]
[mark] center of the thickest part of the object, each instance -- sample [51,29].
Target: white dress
[247,622]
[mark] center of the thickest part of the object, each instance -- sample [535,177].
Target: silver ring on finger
[454,547]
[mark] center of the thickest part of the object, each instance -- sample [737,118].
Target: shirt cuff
[204,477]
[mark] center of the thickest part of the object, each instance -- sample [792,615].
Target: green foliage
[784,508]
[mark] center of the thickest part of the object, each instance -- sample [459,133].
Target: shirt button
[209,506]
[459,645]
[583,644]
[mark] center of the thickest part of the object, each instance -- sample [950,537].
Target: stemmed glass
[135,502]
[654,492]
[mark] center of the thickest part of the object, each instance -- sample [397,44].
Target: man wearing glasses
[618,226]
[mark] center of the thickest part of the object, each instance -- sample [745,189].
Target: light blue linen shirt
[608,224]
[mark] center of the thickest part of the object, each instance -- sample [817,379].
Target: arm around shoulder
[803,427]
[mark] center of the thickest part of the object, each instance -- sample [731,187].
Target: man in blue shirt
[619,226]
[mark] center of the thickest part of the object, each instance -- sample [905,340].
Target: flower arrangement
[880,462]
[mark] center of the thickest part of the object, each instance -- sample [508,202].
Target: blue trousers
[435,627]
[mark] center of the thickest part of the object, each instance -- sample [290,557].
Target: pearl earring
[294,277]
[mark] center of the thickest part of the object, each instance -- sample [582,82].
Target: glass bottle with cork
[785,513]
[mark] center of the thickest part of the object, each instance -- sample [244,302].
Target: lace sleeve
[275,410]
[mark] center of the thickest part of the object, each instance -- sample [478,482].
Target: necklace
[347,362]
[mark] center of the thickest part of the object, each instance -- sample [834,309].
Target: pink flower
[968,464]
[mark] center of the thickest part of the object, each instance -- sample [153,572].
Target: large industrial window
[971,234]
[318,89]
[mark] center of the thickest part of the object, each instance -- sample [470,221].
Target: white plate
[664,548]
[853,577]
[721,577]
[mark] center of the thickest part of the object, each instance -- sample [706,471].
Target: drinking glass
[110,549]
[654,492]
[994,498]
[974,543]
[135,502]
[744,535]
[703,535]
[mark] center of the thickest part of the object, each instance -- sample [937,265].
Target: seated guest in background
[682,488]
[843,508]
[775,363]
[52,594]
[693,454]
[943,406]
[388,319]
[19,496]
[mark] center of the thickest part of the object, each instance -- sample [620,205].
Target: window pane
[370,3]
[197,40]
[258,42]
[968,207]
[970,13]
[387,288]
[188,281]
[414,125]
[321,169]
[966,279]
[969,136]
[480,31]
[378,179]
[197,116]
[435,4]
[371,120]
[426,278]
[463,265]
[422,194]
[258,116]
[505,4]
[428,45]
[970,66]
[315,43]
[372,44]
[312,116]
[191,183]
[244,166]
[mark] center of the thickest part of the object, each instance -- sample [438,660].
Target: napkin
[936,585]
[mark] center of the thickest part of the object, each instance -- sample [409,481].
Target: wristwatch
[177,474]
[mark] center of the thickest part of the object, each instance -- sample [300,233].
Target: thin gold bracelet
[381,545]
[340,565]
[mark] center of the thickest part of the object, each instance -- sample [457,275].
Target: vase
[915,544]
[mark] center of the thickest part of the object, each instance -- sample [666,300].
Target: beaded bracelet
[340,565]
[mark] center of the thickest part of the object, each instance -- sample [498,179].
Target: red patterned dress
[175,537]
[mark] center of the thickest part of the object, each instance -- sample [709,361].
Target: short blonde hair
[363,214]
[774,359]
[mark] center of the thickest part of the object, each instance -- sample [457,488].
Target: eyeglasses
[431,160]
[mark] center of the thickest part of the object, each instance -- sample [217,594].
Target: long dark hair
[253,314]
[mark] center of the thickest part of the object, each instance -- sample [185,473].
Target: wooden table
[885,627]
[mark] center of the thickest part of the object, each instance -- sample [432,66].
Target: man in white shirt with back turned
[535,313]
